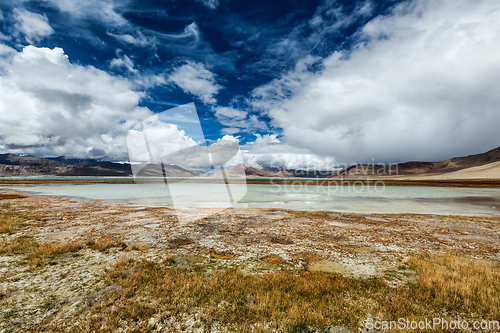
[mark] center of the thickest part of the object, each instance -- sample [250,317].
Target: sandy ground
[256,240]
[487,171]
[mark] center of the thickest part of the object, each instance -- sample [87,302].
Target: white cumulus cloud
[420,84]
[34,26]
[238,120]
[162,139]
[196,80]
[50,106]
[212,4]
[269,150]
[103,10]
[123,62]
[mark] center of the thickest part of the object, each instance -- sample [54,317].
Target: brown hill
[236,171]
[417,168]
[267,172]
[254,172]
[15,165]
[459,163]
[157,170]
[487,171]
[251,172]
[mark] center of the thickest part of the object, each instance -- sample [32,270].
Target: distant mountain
[236,171]
[486,171]
[157,170]
[254,172]
[459,163]
[16,165]
[418,168]
[267,172]
[124,167]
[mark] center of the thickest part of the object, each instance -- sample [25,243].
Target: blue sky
[297,83]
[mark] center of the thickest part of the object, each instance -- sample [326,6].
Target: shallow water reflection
[391,199]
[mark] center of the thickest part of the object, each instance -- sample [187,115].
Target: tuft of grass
[447,286]
[169,260]
[273,260]
[278,239]
[11,221]
[8,196]
[177,242]
[105,245]
[41,254]
[195,258]
[221,255]
[19,245]
[44,253]
[38,254]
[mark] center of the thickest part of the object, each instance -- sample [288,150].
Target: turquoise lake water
[388,199]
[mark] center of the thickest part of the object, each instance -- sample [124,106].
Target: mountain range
[484,165]
[16,165]
[414,168]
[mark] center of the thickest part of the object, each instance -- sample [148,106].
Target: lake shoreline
[292,196]
[472,183]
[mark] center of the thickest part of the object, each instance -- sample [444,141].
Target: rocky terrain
[69,265]
[423,168]
[268,172]
[240,170]
[15,165]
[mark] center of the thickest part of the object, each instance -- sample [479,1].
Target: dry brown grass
[221,255]
[279,239]
[446,286]
[105,245]
[460,285]
[39,254]
[18,245]
[228,297]
[177,242]
[11,221]
[273,260]
[8,196]
[46,253]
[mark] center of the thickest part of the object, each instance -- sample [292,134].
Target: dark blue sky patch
[245,44]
